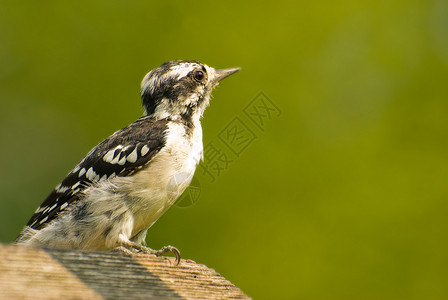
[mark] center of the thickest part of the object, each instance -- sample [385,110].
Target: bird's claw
[133,248]
[168,249]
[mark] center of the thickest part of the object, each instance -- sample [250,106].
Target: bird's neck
[191,123]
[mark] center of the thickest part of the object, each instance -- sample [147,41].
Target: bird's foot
[168,249]
[124,250]
[132,248]
[163,250]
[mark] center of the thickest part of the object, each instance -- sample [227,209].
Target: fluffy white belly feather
[166,178]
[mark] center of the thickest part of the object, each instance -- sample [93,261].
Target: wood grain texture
[32,273]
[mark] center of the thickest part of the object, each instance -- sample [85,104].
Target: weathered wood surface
[32,273]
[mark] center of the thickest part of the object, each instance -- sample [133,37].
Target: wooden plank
[33,273]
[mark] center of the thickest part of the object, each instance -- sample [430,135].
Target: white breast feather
[168,175]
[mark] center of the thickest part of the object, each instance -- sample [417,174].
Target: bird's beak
[223,73]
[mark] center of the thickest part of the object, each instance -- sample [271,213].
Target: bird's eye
[198,75]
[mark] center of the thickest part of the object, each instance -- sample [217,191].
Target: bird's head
[180,89]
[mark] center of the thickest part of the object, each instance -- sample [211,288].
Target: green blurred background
[344,196]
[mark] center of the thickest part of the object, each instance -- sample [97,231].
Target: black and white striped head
[180,89]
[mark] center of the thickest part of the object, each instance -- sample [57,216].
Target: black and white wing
[122,154]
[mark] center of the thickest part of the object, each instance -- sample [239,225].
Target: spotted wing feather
[122,154]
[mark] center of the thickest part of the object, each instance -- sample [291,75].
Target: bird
[128,181]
